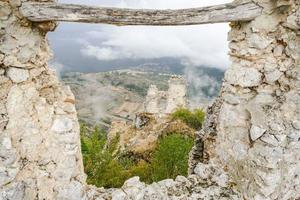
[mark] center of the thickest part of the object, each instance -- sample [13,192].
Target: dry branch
[238,11]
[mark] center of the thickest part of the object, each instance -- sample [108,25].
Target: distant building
[165,102]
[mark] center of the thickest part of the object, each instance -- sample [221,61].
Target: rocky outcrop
[141,137]
[249,145]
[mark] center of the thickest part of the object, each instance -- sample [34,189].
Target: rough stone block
[17,75]
[243,76]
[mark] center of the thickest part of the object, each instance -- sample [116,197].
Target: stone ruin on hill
[165,102]
[140,137]
[249,147]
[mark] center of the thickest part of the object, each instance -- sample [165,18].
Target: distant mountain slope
[103,96]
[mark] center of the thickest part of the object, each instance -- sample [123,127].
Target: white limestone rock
[7,153]
[265,23]
[4,10]
[7,174]
[202,171]
[293,47]
[72,191]
[296,124]
[256,132]
[233,116]
[278,50]
[274,140]
[134,188]
[17,75]
[273,76]
[118,194]
[293,21]
[259,41]
[243,76]
[62,125]
[14,191]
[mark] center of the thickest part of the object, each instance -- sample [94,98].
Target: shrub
[100,166]
[143,170]
[194,118]
[170,159]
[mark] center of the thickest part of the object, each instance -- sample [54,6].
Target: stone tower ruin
[249,147]
[151,105]
[176,94]
[166,102]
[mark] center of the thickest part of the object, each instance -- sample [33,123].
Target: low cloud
[202,86]
[194,45]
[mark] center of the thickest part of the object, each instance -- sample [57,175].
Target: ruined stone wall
[176,94]
[151,104]
[166,102]
[40,154]
[255,133]
[250,139]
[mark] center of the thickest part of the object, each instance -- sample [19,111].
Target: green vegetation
[139,89]
[194,118]
[105,167]
[170,158]
[100,166]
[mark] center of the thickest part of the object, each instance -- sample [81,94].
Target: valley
[106,96]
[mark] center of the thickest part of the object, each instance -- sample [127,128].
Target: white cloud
[194,45]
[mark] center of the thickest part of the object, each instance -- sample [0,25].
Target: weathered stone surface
[251,132]
[296,124]
[293,21]
[34,160]
[243,76]
[62,125]
[17,75]
[235,11]
[15,191]
[256,132]
[273,76]
[259,41]
[270,115]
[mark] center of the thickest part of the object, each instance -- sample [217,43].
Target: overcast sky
[80,46]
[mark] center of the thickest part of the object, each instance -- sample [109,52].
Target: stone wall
[250,142]
[40,154]
[254,134]
[151,104]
